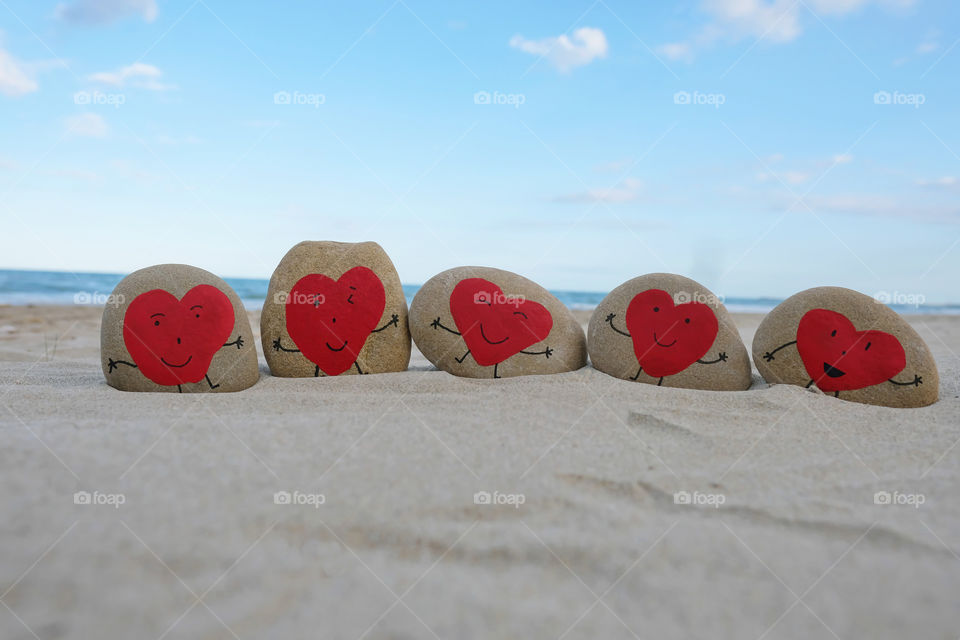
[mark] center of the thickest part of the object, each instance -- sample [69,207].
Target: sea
[66,288]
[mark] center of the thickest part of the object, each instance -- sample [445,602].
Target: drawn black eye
[198,315]
[834,334]
[656,309]
[843,353]
[867,348]
[156,323]
[687,320]
[334,320]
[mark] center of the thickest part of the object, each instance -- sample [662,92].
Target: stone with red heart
[480,322]
[848,345]
[668,330]
[335,308]
[177,328]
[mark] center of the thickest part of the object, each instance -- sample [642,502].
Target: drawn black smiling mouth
[489,341]
[340,348]
[176,366]
[660,343]
[832,371]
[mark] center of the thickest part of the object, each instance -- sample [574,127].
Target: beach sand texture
[399,549]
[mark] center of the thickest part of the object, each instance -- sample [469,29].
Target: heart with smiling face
[840,358]
[668,337]
[173,341]
[329,320]
[493,325]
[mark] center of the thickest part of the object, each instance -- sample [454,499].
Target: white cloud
[565,53]
[138,74]
[89,125]
[97,12]
[927,47]
[886,206]
[626,191]
[946,182]
[775,21]
[7,165]
[843,158]
[15,77]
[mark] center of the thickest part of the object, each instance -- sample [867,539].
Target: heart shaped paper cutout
[330,320]
[493,325]
[839,358]
[668,337]
[173,341]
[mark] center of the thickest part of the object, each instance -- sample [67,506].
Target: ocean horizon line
[19,287]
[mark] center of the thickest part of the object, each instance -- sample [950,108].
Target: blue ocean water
[62,288]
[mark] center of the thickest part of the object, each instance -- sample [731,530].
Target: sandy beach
[184,536]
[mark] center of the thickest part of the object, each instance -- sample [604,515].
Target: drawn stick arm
[916,382]
[768,356]
[546,352]
[721,357]
[113,364]
[610,322]
[394,321]
[436,324]
[277,346]
[236,343]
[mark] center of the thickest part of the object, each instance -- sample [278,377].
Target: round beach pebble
[173,327]
[670,331]
[846,344]
[480,322]
[335,308]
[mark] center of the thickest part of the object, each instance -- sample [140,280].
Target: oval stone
[173,327]
[670,331]
[480,322]
[335,308]
[846,344]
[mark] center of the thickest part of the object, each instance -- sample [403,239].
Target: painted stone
[479,322]
[335,308]
[670,331]
[174,327]
[846,344]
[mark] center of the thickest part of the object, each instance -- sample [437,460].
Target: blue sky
[740,142]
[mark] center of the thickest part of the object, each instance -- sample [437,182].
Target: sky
[761,147]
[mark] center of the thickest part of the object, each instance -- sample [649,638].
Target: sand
[598,548]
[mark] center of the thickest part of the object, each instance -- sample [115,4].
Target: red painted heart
[840,358]
[668,338]
[493,325]
[173,341]
[330,320]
